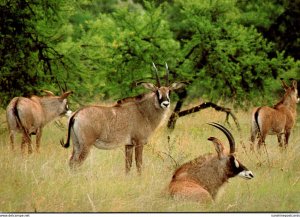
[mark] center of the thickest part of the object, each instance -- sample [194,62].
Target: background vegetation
[233,51]
[230,52]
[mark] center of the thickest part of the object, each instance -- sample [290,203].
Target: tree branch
[176,115]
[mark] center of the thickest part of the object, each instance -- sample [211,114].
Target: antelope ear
[48,93]
[66,94]
[294,84]
[149,86]
[284,85]
[218,146]
[177,85]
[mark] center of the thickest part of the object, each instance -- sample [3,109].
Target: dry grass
[43,182]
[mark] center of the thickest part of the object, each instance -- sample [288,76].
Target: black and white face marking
[238,169]
[163,97]
[246,174]
[68,112]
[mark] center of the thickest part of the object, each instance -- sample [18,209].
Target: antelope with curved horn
[201,178]
[29,115]
[130,122]
[278,119]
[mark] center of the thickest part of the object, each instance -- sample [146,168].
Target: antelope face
[291,93]
[163,97]
[235,168]
[163,93]
[68,112]
[64,106]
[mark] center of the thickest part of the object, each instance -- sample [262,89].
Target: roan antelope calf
[130,122]
[29,115]
[278,119]
[201,178]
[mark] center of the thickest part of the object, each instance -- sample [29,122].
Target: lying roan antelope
[201,178]
[29,115]
[130,122]
[278,119]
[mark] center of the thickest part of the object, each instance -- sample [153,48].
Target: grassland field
[43,182]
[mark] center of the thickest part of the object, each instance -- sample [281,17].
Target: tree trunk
[182,94]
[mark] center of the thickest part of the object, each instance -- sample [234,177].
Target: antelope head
[162,92]
[65,106]
[233,166]
[291,91]
[60,102]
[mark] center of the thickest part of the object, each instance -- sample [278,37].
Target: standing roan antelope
[130,122]
[201,178]
[278,119]
[29,115]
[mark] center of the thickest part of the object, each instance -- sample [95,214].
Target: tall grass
[43,182]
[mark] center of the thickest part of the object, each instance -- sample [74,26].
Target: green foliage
[141,38]
[224,59]
[29,33]
[277,20]
[100,48]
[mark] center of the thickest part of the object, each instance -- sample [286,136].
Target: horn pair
[228,135]
[157,77]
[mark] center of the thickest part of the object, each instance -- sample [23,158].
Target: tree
[224,60]
[99,52]
[123,45]
[278,21]
[27,53]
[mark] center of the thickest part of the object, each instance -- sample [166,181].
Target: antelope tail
[256,120]
[18,119]
[67,144]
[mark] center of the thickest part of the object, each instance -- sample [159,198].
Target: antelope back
[36,111]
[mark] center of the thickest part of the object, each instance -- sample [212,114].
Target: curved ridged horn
[167,75]
[228,135]
[156,75]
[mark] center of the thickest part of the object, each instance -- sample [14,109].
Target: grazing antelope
[201,178]
[278,119]
[130,122]
[29,115]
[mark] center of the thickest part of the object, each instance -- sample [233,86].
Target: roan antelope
[130,122]
[278,119]
[201,178]
[29,115]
